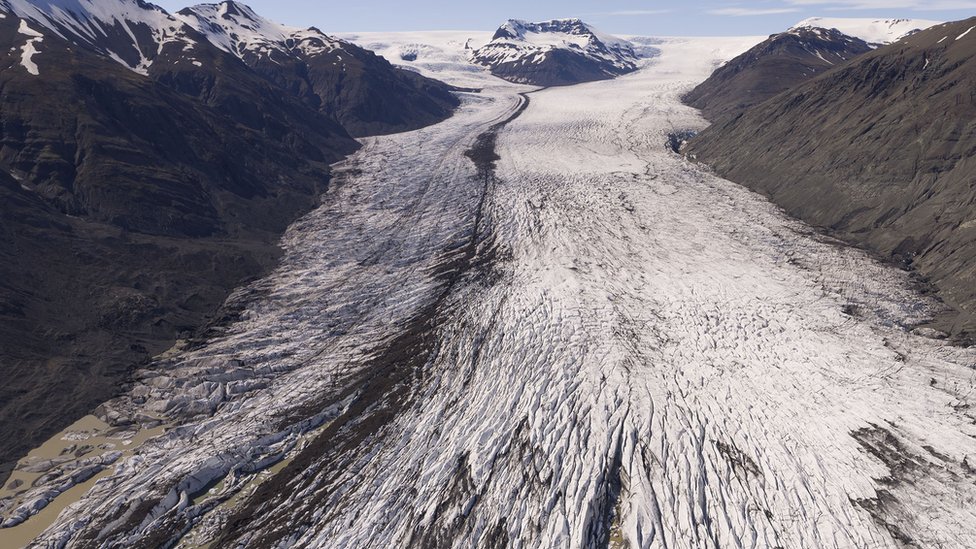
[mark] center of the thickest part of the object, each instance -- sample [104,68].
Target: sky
[671,18]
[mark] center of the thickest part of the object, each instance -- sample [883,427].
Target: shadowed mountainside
[881,151]
[360,89]
[781,62]
[141,183]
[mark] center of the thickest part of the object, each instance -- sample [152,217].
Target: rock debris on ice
[596,342]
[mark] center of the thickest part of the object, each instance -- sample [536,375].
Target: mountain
[130,210]
[555,53]
[873,31]
[131,32]
[882,151]
[145,172]
[782,61]
[363,91]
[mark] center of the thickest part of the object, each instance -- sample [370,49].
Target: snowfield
[444,55]
[584,341]
[872,31]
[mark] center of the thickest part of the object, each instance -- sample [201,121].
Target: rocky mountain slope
[131,32]
[578,340]
[781,62]
[366,94]
[880,150]
[147,172]
[555,53]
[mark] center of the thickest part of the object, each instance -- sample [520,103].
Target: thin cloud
[748,12]
[914,5]
[634,12]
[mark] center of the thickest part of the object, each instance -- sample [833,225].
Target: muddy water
[86,438]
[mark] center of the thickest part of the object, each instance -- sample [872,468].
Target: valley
[534,325]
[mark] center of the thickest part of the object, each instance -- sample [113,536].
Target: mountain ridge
[879,151]
[873,31]
[364,92]
[146,175]
[777,64]
[554,53]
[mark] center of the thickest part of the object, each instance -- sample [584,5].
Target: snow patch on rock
[130,31]
[236,28]
[522,42]
[30,47]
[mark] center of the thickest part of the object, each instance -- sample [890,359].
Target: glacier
[535,325]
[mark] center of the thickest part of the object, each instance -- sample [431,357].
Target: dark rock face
[361,90]
[555,53]
[99,141]
[137,193]
[130,213]
[782,62]
[368,96]
[881,151]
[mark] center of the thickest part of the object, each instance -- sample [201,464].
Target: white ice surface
[444,55]
[640,320]
[872,31]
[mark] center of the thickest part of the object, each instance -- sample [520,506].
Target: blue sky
[674,17]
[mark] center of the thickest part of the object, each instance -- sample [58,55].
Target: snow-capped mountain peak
[542,53]
[828,44]
[559,33]
[872,31]
[132,32]
[236,28]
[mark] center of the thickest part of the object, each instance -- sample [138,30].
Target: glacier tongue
[594,343]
